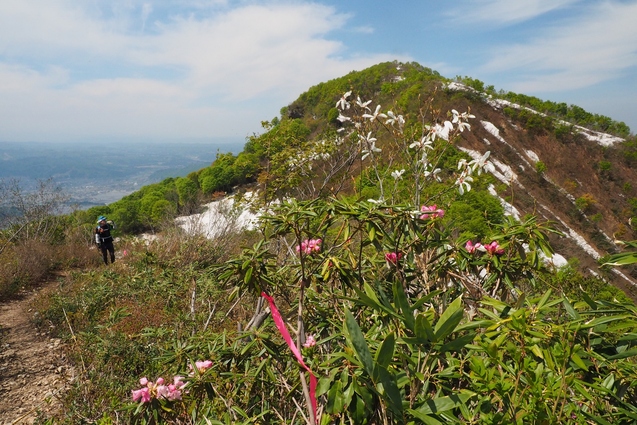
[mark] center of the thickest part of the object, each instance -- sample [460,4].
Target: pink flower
[494,249]
[142,395]
[309,246]
[393,257]
[431,212]
[152,390]
[469,246]
[309,341]
[162,391]
[203,366]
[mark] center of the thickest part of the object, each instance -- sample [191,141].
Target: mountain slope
[578,178]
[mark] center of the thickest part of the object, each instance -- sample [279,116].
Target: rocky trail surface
[34,371]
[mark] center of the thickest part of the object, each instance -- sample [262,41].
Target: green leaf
[385,353]
[570,310]
[592,304]
[248,276]
[426,419]
[543,300]
[400,298]
[624,354]
[449,320]
[578,361]
[443,404]
[335,398]
[323,385]
[622,259]
[386,386]
[423,329]
[358,342]
[457,344]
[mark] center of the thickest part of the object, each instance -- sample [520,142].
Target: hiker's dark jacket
[105,234]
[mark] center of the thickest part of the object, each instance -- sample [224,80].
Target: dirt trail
[34,371]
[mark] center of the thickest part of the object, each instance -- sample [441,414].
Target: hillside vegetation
[388,281]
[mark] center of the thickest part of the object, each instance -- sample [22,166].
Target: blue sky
[100,70]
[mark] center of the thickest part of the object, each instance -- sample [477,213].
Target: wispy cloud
[582,51]
[505,12]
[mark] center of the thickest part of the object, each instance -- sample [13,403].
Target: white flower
[342,102]
[462,125]
[397,174]
[481,164]
[433,174]
[463,183]
[373,116]
[343,118]
[442,131]
[461,119]
[394,119]
[376,201]
[363,104]
[369,145]
[424,143]
[457,117]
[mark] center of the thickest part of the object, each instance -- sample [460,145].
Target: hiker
[104,238]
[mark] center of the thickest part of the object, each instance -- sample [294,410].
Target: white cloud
[76,69]
[507,11]
[597,46]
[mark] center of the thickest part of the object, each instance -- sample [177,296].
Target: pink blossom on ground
[393,257]
[431,212]
[158,390]
[309,341]
[309,246]
[471,247]
[142,395]
[494,248]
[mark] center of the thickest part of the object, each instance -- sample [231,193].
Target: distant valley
[96,174]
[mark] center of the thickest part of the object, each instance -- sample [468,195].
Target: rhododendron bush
[383,309]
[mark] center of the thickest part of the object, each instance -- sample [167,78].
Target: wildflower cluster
[492,248]
[309,246]
[159,390]
[393,257]
[424,167]
[431,212]
[468,168]
[310,341]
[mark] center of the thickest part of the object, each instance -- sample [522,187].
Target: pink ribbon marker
[278,321]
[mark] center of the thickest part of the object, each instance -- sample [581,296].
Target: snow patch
[509,209]
[533,156]
[556,260]
[495,132]
[220,217]
[594,136]
[506,174]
